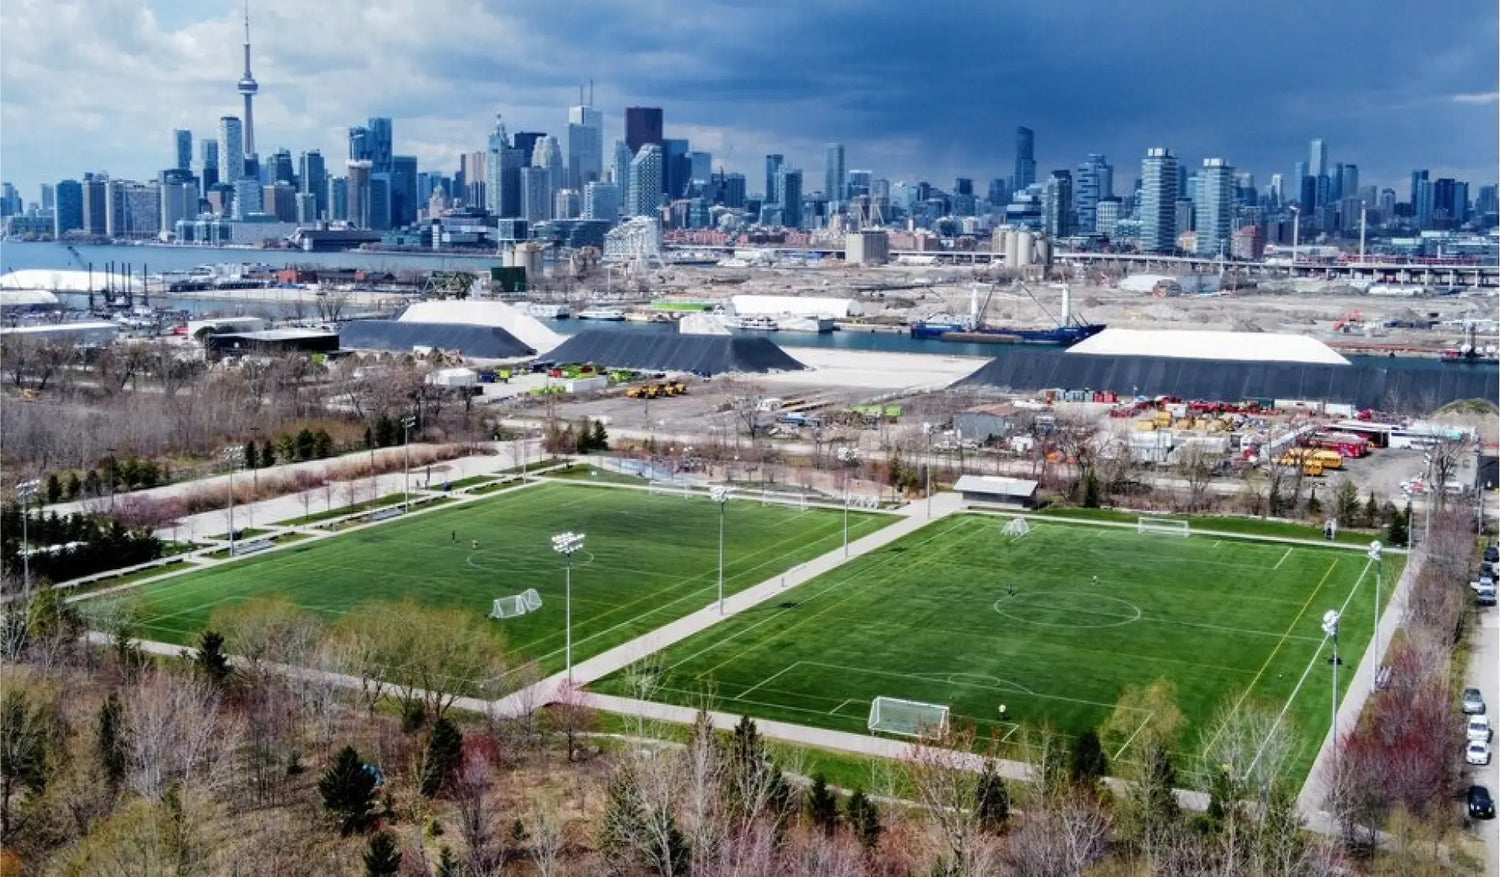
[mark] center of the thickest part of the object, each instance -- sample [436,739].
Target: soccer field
[646,560]
[931,617]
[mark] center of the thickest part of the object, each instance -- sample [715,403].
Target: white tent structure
[1202,344]
[796,306]
[527,329]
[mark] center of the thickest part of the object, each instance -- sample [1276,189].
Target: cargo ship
[972,329]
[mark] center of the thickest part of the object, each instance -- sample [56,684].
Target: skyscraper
[536,193]
[404,201]
[231,150]
[547,156]
[585,146]
[184,142]
[357,192]
[95,207]
[247,87]
[502,174]
[700,166]
[601,201]
[1274,192]
[67,215]
[382,145]
[834,177]
[1025,170]
[314,174]
[676,167]
[789,196]
[1057,205]
[1215,207]
[643,125]
[645,194]
[773,165]
[208,170]
[1095,181]
[620,167]
[1317,158]
[1158,208]
[1349,181]
[1423,204]
[1416,178]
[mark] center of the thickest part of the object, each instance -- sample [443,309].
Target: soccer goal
[520,604]
[1162,526]
[909,718]
[1016,527]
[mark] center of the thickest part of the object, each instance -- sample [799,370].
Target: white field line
[1126,745]
[767,679]
[840,706]
[1283,559]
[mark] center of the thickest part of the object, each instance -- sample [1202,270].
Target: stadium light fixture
[231,455]
[27,490]
[1331,630]
[565,544]
[720,495]
[1377,554]
[408,423]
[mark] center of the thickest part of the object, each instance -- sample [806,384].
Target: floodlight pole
[846,523]
[254,466]
[230,455]
[720,495]
[927,466]
[406,426]
[27,489]
[1331,630]
[565,544]
[1376,554]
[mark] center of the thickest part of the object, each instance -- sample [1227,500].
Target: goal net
[908,718]
[1016,527]
[520,604]
[1163,526]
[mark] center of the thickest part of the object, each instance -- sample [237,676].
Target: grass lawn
[931,618]
[647,560]
[1221,524]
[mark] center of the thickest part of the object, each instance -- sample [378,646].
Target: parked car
[1473,702]
[1492,553]
[1479,728]
[1478,753]
[1481,805]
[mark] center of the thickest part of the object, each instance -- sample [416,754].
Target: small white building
[995,490]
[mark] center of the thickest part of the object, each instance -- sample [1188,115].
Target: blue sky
[928,90]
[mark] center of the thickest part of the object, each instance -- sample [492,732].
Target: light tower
[248,87]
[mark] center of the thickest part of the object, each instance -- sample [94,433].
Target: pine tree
[111,742]
[252,459]
[1088,763]
[864,817]
[73,487]
[600,439]
[445,749]
[383,858]
[306,444]
[447,865]
[322,444]
[267,454]
[991,800]
[348,789]
[1091,490]
[1372,511]
[1397,530]
[822,806]
[54,488]
[211,660]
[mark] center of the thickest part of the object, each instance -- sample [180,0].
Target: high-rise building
[547,155]
[774,162]
[184,142]
[1095,182]
[676,168]
[789,196]
[382,145]
[231,150]
[1214,207]
[601,201]
[48,199]
[1423,202]
[94,200]
[834,177]
[473,171]
[249,198]
[380,201]
[566,204]
[1487,202]
[585,146]
[247,88]
[643,125]
[133,210]
[281,169]
[732,190]
[314,178]
[526,141]
[1025,169]
[404,199]
[620,167]
[536,193]
[700,166]
[338,199]
[645,195]
[1106,217]
[279,200]
[1317,158]
[502,174]
[1460,202]
[357,192]
[1158,207]
[68,214]
[997,193]
[208,165]
[1057,205]
[1275,192]
[1416,177]
[307,208]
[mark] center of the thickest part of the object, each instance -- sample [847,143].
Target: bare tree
[178,732]
[1195,466]
[471,799]
[548,836]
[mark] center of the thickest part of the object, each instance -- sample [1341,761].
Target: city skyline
[177,67]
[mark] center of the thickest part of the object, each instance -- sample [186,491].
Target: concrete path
[913,517]
[1310,802]
[1484,674]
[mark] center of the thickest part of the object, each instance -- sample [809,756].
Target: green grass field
[647,561]
[931,618]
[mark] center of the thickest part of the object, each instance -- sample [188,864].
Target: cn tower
[248,88]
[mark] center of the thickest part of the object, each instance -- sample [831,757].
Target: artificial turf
[646,560]
[930,617]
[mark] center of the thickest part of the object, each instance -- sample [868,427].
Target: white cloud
[1482,97]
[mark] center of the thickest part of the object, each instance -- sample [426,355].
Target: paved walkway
[913,517]
[1315,789]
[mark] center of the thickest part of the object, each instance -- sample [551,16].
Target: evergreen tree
[1372,512]
[1397,530]
[622,820]
[348,789]
[73,487]
[286,447]
[383,858]
[445,749]
[1091,489]
[447,865]
[864,817]
[1346,504]
[111,742]
[267,454]
[252,458]
[307,444]
[54,488]
[991,800]
[322,444]
[822,805]
[29,737]
[600,440]
[1088,763]
[91,483]
[211,660]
